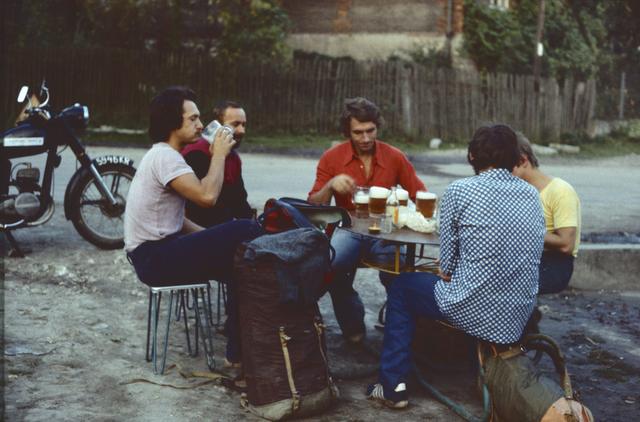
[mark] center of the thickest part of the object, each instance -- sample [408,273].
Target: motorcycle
[95,196]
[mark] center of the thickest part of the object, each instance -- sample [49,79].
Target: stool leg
[146,354]
[180,305]
[183,308]
[154,309]
[203,316]
[224,297]
[219,304]
[166,339]
[155,302]
[189,307]
[209,301]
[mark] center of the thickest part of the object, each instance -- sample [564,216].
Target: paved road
[608,188]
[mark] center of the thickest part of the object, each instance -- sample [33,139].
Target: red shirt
[389,167]
[232,164]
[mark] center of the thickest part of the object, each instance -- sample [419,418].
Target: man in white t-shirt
[164,247]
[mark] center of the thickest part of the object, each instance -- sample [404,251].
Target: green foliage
[494,40]
[430,57]
[251,29]
[504,41]
[232,30]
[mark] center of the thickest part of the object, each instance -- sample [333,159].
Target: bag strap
[275,205]
[317,323]
[295,395]
[328,213]
[549,346]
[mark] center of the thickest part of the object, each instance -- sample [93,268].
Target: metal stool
[202,311]
[220,302]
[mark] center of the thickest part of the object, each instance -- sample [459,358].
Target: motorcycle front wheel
[93,216]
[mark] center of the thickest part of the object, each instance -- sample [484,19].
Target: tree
[503,41]
[251,29]
[231,30]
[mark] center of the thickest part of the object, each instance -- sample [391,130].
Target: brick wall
[372,16]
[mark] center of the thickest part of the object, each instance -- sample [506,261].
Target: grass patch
[609,147]
[615,144]
[285,142]
[114,139]
[268,143]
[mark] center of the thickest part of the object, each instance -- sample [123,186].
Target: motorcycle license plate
[34,141]
[113,159]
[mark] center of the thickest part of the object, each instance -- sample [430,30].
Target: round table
[404,236]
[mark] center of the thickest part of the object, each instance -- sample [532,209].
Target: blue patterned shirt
[491,239]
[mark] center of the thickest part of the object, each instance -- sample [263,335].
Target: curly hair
[360,109]
[165,111]
[493,146]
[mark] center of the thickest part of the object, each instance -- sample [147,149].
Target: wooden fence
[305,96]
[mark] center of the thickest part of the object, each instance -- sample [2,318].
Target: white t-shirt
[154,210]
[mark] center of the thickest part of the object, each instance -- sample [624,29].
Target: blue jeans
[412,295]
[196,258]
[556,269]
[350,249]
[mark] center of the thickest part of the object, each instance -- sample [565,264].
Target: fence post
[623,88]
[406,100]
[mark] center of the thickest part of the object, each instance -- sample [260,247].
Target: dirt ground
[75,321]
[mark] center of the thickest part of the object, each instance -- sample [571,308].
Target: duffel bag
[521,392]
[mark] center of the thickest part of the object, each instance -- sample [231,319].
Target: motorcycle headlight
[77,116]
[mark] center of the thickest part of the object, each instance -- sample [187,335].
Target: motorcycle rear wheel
[92,215]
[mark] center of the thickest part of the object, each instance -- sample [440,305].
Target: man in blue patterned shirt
[491,238]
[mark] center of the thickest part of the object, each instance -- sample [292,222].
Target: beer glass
[403,197]
[426,203]
[210,131]
[361,201]
[377,201]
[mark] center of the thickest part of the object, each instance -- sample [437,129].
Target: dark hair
[493,146]
[362,110]
[525,149]
[221,107]
[165,111]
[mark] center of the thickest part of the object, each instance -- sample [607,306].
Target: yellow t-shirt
[561,207]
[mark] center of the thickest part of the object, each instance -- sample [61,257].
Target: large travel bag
[283,346]
[521,391]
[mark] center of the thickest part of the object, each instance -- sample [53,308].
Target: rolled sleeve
[324,173]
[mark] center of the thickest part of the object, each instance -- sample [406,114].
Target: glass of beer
[377,201]
[361,201]
[403,197]
[426,203]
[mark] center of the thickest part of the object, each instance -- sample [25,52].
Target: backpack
[284,353]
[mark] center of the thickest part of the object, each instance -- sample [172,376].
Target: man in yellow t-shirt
[561,207]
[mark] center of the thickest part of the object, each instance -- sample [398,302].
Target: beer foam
[426,195]
[378,192]
[402,194]
[361,198]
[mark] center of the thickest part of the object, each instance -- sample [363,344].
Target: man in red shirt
[361,160]
[232,203]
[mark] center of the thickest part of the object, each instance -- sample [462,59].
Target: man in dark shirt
[232,202]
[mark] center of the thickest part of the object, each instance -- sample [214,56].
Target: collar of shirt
[378,158]
[500,174]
